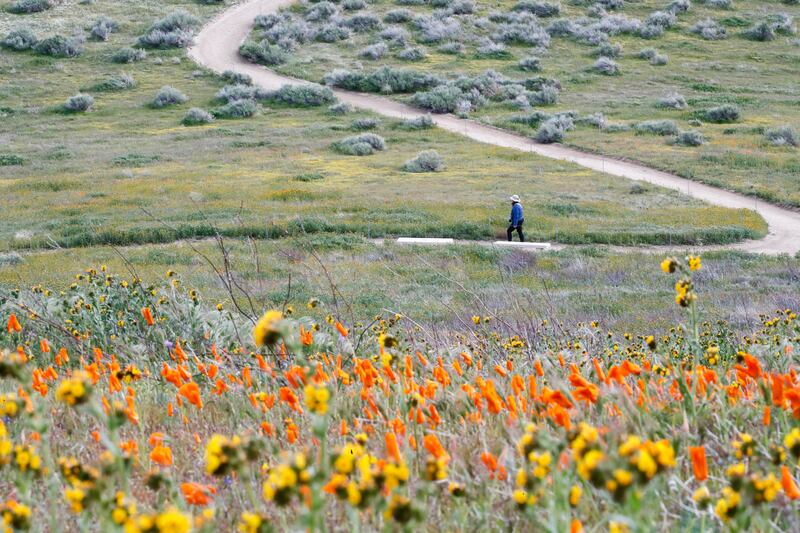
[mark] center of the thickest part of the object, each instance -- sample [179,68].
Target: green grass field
[707,73]
[125,173]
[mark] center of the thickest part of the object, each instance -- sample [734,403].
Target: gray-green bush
[117,82]
[782,136]
[263,53]
[103,28]
[60,46]
[126,54]
[19,39]
[79,103]
[723,114]
[197,116]
[236,109]
[167,96]
[657,127]
[689,138]
[173,31]
[302,95]
[30,6]
[425,161]
[360,145]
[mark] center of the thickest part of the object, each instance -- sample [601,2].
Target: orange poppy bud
[699,464]
[789,486]
[148,316]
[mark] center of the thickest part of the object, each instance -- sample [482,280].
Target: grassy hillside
[656,49]
[124,172]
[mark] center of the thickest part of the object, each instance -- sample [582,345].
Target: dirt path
[217,45]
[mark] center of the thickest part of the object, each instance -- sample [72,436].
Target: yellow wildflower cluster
[286,479]
[316,398]
[15,516]
[224,455]
[76,390]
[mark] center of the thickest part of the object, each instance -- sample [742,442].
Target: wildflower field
[138,407]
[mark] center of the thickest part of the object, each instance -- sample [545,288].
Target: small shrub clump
[364,124]
[425,161]
[657,127]
[723,114]
[79,103]
[196,116]
[363,23]
[263,53]
[30,6]
[236,78]
[360,145]
[540,9]
[553,129]
[412,53]
[762,31]
[167,96]
[236,109]
[672,101]
[689,138]
[386,80]
[374,51]
[303,95]
[231,93]
[422,122]
[530,64]
[608,50]
[103,28]
[127,54]
[782,136]
[173,31]
[709,29]
[341,108]
[606,66]
[59,46]
[398,16]
[118,82]
[19,39]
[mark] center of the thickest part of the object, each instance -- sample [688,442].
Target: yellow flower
[702,496]
[265,333]
[668,265]
[575,495]
[694,262]
[75,499]
[74,391]
[316,398]
[173,521]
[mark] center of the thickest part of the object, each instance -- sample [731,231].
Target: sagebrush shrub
[672,101]
[679,6]
[398,16]
[530,64]
[127,54]
[363,23]
[263,53]
[657,127]
[722,4]
[341,108]
[659,60]
[553,129]
[523,31]
[353,5]
[540,9]
[117,82]
[432,29]
[173,31]
[782,136]
[30,6]
[709,29]
[238,91]
[385,79]
[783,24]
[79,103]
[237,78]
[461,7]
[490,49]
[425,161]
[374,51]
[19,39]
[723,114]
[331,33]
[319,11]
[441,99]
[364,124]
[689,138]
[395,36]
[60,46]
[302,95]
[363,144]
[608,50]
[196,116]
[665,19]
[236,109]
[647,53]
[761,31]
[422,122]
[412,53]
[453,48]
[650,31]
[167,96]
[596,120]
[289,31]
[103,28]
[606,66]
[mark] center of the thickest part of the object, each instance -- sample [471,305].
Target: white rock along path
[217,48]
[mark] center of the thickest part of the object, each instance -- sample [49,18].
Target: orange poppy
[197,494]
[191,391]
[789,486]
[148,316]
[13,324]
[699,463]
[392,448]
[161,455]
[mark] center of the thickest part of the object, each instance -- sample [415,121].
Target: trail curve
[217,44]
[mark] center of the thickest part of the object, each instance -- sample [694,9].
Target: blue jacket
[516,214]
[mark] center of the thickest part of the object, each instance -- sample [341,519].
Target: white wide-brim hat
[514,198]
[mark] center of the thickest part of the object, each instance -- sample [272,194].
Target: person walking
[516,220]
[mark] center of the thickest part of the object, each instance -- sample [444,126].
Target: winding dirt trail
[217,45]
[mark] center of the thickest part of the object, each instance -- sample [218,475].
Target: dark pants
[518,227]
